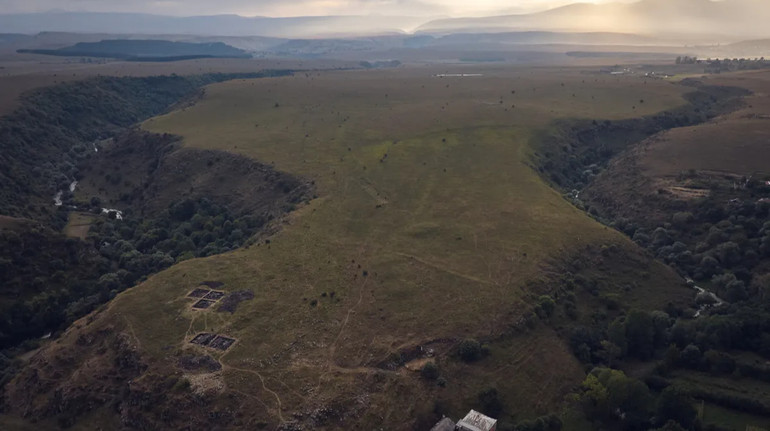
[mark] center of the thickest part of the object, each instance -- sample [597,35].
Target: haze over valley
[403,215]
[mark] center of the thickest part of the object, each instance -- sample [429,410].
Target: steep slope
[42,141]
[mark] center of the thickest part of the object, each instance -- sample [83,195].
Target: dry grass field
[78,225]
[738,143]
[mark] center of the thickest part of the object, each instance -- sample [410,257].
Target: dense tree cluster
[722,241]
[55,127]
[686,60]
[735,64]
[49,280]
[725,243]
[187,229]
[727,64]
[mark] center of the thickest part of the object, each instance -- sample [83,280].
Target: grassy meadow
[429,227]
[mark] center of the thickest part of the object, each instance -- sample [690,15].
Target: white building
[475,421]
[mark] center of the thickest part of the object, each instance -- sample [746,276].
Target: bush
[545,306]
[675,405]
[543,423]
[429,371]
[470,350]
[490,402]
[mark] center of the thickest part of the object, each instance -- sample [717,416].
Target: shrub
[429,371]
[545,306]
[469,350]
[490,402]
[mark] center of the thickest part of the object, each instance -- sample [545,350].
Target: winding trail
[447,270]
[264,386]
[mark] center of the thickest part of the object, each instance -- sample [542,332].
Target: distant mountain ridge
[740,18]
[216,25]
[659,19]
[144,49]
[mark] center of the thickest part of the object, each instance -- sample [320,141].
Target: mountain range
[662,18]
[698,19]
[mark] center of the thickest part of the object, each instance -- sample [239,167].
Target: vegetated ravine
[720,240]
[177,203]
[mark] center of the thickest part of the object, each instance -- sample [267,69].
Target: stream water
[73,185]
[718,302]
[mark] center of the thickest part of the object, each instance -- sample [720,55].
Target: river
[718,302]
[73,185]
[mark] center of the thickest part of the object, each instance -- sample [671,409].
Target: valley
[556,218]
[423,234]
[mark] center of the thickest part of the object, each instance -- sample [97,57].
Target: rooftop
[475,421]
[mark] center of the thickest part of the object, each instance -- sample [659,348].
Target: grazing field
[726,388]
[713,414]
[736,143]
[429,227]
[78,225]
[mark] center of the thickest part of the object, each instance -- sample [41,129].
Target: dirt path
[447,270]
[133,334]
[264,386]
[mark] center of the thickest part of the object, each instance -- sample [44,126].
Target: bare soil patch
[214,295]
[214,341]
[198,293]
[203,304]
[202,363]
[230,302]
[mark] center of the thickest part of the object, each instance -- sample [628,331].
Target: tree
[182,211]
[543,423]
[640,334]
[691,357]
[675,405]
[760,286]
[490,402]
[670,426]
[469,350]
[611,395]
[429,371]
[545,306]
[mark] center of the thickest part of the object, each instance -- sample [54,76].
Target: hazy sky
[291,7]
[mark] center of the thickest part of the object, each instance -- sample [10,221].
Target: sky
[291,7]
